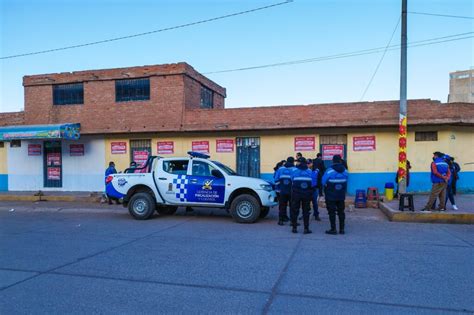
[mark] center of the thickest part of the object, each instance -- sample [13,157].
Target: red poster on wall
[140,157]
[54,173]
[200,146]
[34,149]
[53,159]
[76,149]
[363,143]
[305,143]
[329,150]
[165,147]
[118,147]
[225,145]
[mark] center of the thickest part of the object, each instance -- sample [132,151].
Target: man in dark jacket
[335,187]
[283,183]
[318,164]
[301,194]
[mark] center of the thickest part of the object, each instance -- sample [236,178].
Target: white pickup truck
[164,184]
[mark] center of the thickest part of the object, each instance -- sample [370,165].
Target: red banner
[53,159]
[34,149]
[363,143]
[118,147]
[76,150]
[305,143]
[329,150]
[200,146]
[54,173]
[225,145]
[165,147]
[140,157]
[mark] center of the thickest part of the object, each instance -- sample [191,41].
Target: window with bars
[68,94]
[426,136]
[132,90]
[207,97]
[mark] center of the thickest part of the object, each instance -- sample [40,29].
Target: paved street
[91,258]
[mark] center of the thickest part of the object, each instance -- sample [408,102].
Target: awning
[62,131]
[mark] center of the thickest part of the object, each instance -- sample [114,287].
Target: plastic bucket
[389,191]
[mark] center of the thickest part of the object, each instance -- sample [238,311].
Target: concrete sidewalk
[68,196]
[465,214]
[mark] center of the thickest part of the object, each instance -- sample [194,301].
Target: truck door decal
[205,189]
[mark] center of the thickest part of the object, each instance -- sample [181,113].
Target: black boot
[331,231]
[341,227]
[332,220]
[281,222]
[307,231]
[294,230]
[285,218]
[317,218]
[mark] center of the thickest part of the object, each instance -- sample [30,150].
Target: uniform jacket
[335,182]
[283,178]
[302,180]
[439,171]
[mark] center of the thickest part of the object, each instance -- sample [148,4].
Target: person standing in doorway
[335,187]
[318,164]
[440,175]
[283,182]
[301,194]
[109,171]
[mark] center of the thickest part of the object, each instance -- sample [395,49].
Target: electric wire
[147,33]
[444,15]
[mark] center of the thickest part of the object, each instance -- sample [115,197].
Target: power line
[380,61]
[149,32]
[444,15]
[370,51]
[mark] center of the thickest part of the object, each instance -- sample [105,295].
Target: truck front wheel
[245,209]
[141,206]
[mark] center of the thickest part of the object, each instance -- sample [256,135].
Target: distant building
[461,86]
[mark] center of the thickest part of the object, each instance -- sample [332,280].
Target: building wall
[193,95]
[80,173]
[4,167]
[461,86]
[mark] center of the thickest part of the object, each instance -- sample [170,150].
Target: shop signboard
[53,159]
[140,157]
[165,147]
[118,147]
[34,149]
[54,173]
[304,143]
[200,146]
[363,143]
[76,149]
[225,145]
[329,150]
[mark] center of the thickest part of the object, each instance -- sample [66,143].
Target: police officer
[301,194]
[335,186]
[283,183]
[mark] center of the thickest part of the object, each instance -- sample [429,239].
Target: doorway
[331,145]
[140,150]
[248,157]
[52,164]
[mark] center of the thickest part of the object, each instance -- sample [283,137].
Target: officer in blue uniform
[283,183]
[335,186]
[301,194]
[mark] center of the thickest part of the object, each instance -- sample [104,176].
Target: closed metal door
[52,169]
[140,150]
[248,157]
[331,145]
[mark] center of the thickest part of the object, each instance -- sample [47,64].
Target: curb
[33,198]
[417,217]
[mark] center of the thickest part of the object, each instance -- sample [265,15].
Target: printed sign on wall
[140,157]
[225,145]
[76,150]
[53,159]
[54,173]
[119,147]
[363,143]
[34,149]
[329,150]
[165,147]
[304,143]
[200,146]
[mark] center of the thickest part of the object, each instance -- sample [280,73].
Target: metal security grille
[248,157]
[206,98]
[53,168]
[426,136]
[132,90]
[66,94]
[140,150]
[333,139]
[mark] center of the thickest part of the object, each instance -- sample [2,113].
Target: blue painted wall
[419,181]
[3,182]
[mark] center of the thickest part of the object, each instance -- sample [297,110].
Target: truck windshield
[225,168]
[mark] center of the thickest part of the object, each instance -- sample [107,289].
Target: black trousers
[283,201]
[336,206]
[302,200]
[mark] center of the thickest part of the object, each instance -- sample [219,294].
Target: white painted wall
[80,173]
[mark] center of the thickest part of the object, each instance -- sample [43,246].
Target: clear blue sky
[298,30]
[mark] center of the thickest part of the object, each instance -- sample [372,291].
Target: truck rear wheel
[245,209]
[166,210]
[141,206]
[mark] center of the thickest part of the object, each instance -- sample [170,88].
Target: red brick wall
[193,95]
[12,119]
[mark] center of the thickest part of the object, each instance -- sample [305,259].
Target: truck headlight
[266,187]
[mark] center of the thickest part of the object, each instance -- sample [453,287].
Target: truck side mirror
[216,173]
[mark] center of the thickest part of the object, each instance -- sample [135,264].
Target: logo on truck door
[207,185]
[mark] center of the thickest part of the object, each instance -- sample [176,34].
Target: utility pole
[402,123]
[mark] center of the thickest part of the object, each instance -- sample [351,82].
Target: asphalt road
[88,258]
